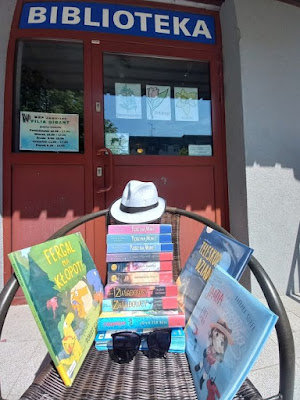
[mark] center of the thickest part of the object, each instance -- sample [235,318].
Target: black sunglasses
[127,344]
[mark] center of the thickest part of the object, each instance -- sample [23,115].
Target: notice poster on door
[49,132]
[186,104]
[128,100]
[158,102]
[117,143]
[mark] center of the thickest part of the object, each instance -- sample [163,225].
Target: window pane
[49,79]
[156,106]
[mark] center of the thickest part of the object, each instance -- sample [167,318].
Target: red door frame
[94,93]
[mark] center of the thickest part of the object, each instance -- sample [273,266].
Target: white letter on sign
[201,29]
[88,18]
[70,15]
[180,26]
[37,15]
[130,19]
[159,23]
[143,17]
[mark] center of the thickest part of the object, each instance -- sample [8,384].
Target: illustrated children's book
[139,229]
[117,291]
[139,247]
[152,238]
[211,249]
[121,257]
[139,266]
[140,319]
[224,336]
[64,292]
[103,340]
[137,278]
[140,304]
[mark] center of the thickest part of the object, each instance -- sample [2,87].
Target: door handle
[106,151]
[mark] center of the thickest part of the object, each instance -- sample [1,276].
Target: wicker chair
[145,378]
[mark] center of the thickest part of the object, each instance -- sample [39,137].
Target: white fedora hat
[139,204]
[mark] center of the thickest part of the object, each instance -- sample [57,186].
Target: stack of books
[140,294]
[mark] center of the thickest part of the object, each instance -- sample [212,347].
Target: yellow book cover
[64,292]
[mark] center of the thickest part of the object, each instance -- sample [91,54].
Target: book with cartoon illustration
[224,336]
[64,292]
[211,249]
[140,304]
[137,278]
[139,266]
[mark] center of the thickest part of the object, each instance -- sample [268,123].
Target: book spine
[119,257]
[147,266]
[63,374]
[140,229]
[141,322]
[140,304]
[134,247]
[137,278]
[137,291]
[151,238]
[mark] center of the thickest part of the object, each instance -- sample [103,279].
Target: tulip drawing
[155,98]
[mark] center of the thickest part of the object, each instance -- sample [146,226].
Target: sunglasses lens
[159,342]
[126,345]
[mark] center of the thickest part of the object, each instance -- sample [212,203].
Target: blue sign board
[119,19]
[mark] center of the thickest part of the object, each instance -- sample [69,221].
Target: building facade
[201,98]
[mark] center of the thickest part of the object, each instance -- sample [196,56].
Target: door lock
[98,106]
[99,171]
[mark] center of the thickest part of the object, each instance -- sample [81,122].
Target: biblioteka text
[210,257]
[120,19]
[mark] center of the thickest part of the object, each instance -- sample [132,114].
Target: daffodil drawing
[155,98]
[186,100]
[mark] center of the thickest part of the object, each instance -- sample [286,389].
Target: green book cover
[64,291]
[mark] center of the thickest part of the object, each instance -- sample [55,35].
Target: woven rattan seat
[144,378]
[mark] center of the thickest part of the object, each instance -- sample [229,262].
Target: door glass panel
[49,89]
[156,106]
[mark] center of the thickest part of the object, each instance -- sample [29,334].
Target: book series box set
[140,294]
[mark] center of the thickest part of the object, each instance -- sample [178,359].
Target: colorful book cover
[159,238]
[127,291]
[224,336]
[103,340]
[64,292]
[121,257]
[140,229]
[139,266]
[211,249]
[140,304]
[138,278]
[141,319]
[138,247]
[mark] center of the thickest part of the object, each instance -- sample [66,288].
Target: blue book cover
[211,249]
[224,336]
[139,247]
[153,238]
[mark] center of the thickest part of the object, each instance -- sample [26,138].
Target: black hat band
[133,210]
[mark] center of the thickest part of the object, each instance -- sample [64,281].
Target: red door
[157,109]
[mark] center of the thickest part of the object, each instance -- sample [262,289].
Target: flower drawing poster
[186,104]
[128,100]
[158,102]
